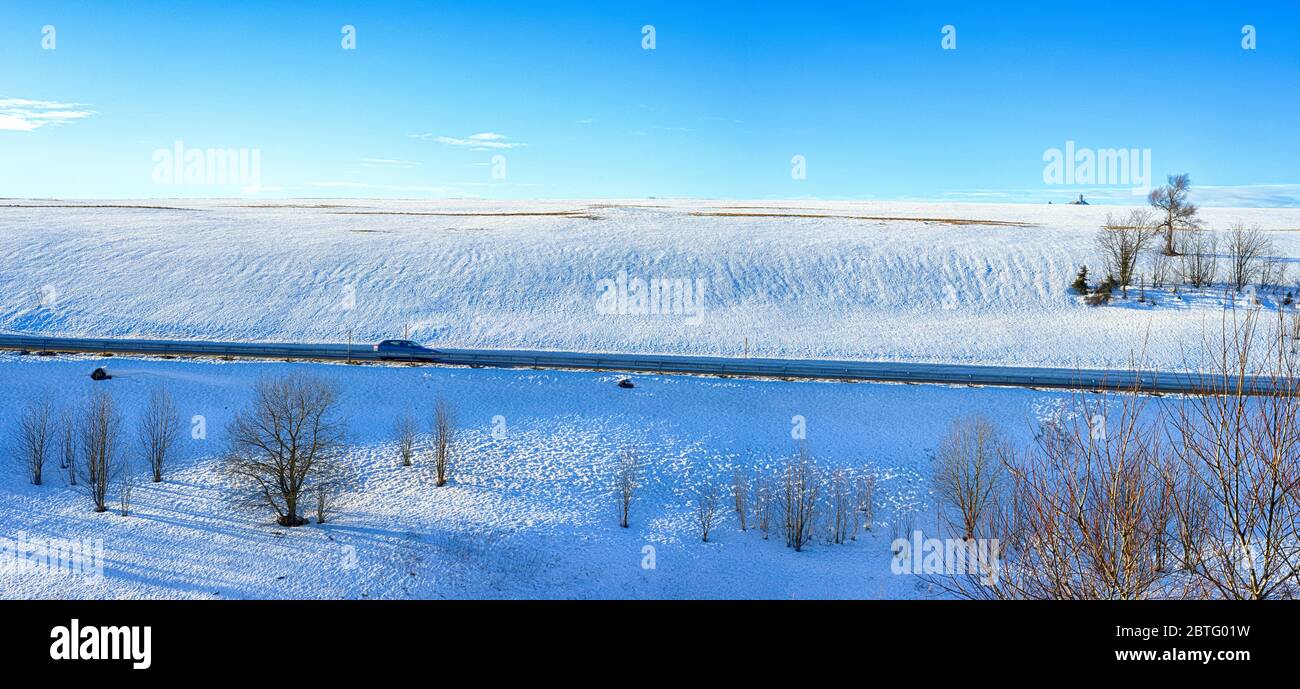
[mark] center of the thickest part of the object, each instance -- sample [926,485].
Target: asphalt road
[952,374]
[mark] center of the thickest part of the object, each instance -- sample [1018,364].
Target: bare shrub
[287,437]
[1122,241]
[405,431]
[799,489]
[126,480]
[968,473]
[1272,272]
[740,481]
[1086,508]
[1162,269]
[902,526]
[841,513]
[762,503]
[329,485]
[1200,257]
[1241,452]
[866,500]
[159,428]
[708,505]
[443,430]
[627,479]
[1191,514]
[35,439]
[67,432]
[1247,250]
[100,444]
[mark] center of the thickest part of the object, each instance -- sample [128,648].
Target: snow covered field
[530,513]
[531,510]
[824,279]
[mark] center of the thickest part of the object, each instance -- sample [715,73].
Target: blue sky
[565,92]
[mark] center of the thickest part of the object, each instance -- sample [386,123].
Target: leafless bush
[866,500]
[626,481]
[1272,272]
[1083,512]
[125,486]
[708,505]
[740,495]
[842,518]
[159,429]
[35,438]
[329,485]
[1122,241]
[1191,514]
[444,422]
[1247,250]
[288,437]
[763,504]
[1242,454]
[1161,269]
[100,444]
[902,525]
[67,433]
[799,490]
[968,473]
[405,431]
[1200,258]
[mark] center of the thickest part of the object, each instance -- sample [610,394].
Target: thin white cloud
[482,141]
[25,115]
[388,162]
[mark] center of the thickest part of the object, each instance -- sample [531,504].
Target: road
[880,371]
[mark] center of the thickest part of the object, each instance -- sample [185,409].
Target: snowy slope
[530,513]
[862,284]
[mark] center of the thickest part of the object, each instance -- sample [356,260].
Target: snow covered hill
[974,283]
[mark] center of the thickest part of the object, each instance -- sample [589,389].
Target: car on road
[403,349]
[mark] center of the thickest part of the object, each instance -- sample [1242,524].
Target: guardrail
[950,374]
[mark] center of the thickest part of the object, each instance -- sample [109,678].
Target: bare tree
[762,503]
[67,433]
[1122,241]
[740,481]
[125,485]
[1191,513]
[405,430]
[841,521]
[287,437]
[1162,269]
[1242,452]
[627,479]
[1272,272]
[1200,256]
[708,505]
[866,500]
[100,443]
[1177,212]
[35,438]
[329,485]
[1247,250]
[443,430]
[1083,513]
[159,428]
[968,472]
[797,498]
